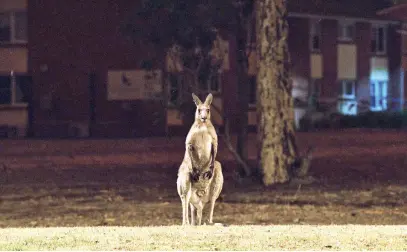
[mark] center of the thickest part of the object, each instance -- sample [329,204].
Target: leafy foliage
[187,23]
[187,31]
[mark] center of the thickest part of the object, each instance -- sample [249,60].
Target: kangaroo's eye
[207,110]
[199,110]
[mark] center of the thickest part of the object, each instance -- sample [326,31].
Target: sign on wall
[134,85]
[347,65]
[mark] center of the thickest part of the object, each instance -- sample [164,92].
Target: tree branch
[226,139]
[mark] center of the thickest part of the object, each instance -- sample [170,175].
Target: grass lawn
[116,193]
[279,237]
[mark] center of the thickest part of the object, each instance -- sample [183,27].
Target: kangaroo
[202,134]
[198,187]
[198,165]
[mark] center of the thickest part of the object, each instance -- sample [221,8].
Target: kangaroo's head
[203,110]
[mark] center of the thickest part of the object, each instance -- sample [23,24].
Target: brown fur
[202,135]
[200,178]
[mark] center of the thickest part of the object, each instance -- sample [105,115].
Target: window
[346,30]
[378,40]
[14,89]
[13,27]
[347,104]
[315,33]
[348,89]
[378,95]
[252,90]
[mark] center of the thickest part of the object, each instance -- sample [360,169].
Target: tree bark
[275,109]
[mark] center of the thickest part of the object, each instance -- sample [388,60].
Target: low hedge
[375,120]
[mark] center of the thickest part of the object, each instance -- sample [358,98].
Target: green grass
[280,237]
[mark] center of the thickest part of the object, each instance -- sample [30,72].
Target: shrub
[375,120]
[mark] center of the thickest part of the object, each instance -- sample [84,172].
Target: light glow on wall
[379,69]
[379,74]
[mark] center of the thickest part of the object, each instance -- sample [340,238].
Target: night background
[95,107]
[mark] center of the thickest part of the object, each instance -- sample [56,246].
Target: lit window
[13,27]
[378,39]
[315,35]
[14,89]
[378,95]
[346,30]
[347,104]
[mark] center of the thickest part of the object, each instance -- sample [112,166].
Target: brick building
[75,74]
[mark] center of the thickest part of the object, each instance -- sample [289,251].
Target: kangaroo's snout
[203,114]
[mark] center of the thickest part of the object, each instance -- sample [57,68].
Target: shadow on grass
[355,184]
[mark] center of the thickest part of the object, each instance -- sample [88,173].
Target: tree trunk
[275,109]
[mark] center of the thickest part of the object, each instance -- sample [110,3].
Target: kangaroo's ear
[196,99]
[209,99]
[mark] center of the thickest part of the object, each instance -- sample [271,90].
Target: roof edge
[390,9]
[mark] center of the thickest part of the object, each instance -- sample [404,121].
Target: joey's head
[308,154]
[203,109]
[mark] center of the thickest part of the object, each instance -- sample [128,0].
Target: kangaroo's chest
[202,140]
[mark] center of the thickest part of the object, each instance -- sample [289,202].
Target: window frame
[315,30]
[375,37]
[11,15]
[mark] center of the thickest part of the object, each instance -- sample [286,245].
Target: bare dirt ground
[131,182]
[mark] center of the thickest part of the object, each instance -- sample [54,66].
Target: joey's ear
[209,99]
[309,152]
[196,99]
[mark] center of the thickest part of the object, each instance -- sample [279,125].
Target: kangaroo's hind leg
[193,214]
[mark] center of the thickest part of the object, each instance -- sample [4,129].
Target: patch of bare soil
[361,180]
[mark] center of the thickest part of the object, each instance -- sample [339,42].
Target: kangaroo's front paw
[207,175]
